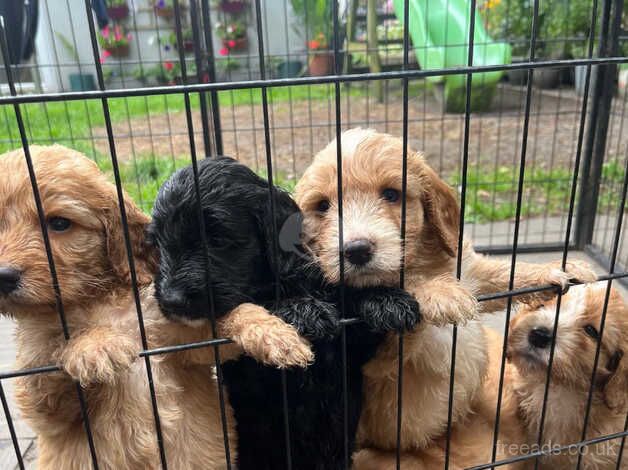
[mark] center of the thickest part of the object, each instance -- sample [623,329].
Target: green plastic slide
[439,30]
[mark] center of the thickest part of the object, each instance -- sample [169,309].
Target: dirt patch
[301,128]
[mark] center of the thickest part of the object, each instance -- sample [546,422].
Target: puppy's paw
[99,356]
[441,307]
[313,318]
[273,342]
[575,271]
[388,309]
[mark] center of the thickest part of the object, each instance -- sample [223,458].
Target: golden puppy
[576,341]
[85,231]
[372,177]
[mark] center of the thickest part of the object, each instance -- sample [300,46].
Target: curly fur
[245,266]
[102,353]
[372,164]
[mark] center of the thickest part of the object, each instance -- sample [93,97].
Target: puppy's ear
[615,395]
[144,255]
[442,212]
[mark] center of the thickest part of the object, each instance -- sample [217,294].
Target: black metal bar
[44,231]
[603,92]
[211,70]
[125,230]
[198,60]
[282,82]
[7,414]
[203,234]
[404,197]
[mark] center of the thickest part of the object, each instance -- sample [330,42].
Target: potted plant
[226,66]
[188,40]
[232,7]
[233,35]
[115,43]
[164,8]
[117,9]
[320,57]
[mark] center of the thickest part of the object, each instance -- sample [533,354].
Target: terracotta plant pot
[320,63]
[119,51]
[165,12]
[118,12]
[233,7]
[240,44]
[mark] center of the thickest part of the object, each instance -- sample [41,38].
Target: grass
[70,122]
[492,193]
[142,178]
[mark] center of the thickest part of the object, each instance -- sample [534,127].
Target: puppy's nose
[173,300]
[540,337]
[358,252]
[9,279]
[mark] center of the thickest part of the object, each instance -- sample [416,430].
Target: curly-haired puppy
[84,226]
[246,265]
[577,338]
[372,178]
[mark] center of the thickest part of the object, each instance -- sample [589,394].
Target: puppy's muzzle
[173,301]
[9,279]
[540,337]
[358,252]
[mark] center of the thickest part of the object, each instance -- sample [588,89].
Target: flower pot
[118,12]
[320,64]
[289,69]
[233,7]
[239,44]
[119,51]
[164,12]
[82,82]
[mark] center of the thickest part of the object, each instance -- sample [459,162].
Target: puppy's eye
[59,224]
[390,194]
[591,331]
[323,206]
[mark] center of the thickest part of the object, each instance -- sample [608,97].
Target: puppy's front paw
[99,356]
[275,343]
[453,304]
[575,271]
[389,309]
[313,318]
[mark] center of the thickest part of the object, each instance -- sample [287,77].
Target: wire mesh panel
[520,106]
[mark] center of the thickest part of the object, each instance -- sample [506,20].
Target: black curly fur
[244,266]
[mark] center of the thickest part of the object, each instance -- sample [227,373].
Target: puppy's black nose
[9,279]
[173,301]
[540,337]
[358,252]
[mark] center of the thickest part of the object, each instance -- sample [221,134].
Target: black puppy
[245,264]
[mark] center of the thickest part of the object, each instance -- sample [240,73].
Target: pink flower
[168,66]
[105,31]
[106,53]
[231,43]
[224,51]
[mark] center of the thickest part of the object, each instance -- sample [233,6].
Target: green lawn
[50,122]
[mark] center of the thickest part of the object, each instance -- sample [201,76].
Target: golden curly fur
[372,164]
[102,353]
[572,369]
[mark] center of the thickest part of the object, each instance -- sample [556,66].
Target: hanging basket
[118,12]
[164,12]
[239,44]
[119,51]
[233,7]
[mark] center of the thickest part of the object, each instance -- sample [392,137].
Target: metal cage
[592,199]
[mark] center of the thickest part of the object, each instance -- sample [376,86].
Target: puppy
[84,226]
[577,337]
[247,265]
[372,250]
